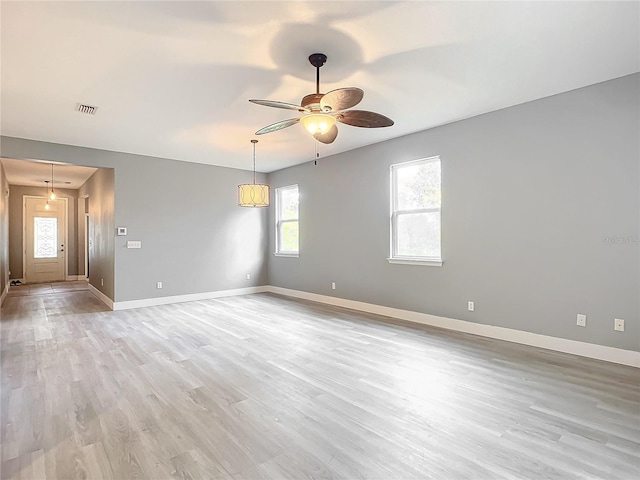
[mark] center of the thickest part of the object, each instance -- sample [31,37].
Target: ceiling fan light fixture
[321,111]
[318,122]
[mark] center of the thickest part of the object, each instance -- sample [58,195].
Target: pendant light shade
[253,194]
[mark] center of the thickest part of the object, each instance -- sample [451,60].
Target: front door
[45,229]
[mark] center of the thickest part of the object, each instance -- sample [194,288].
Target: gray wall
[16,227]
[540,219]
[4,230]
[100,192]
[194,236]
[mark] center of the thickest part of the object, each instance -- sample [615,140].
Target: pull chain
[317,156]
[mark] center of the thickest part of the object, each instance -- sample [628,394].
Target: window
[287,221]
[415,212]
[45,237]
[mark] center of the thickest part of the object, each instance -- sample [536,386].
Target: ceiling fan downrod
[317,60]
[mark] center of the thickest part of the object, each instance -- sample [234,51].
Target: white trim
[24,233]
[583,349]
[86,247]
[395,213]
[73,278]
[101,296]
[279,221]
[408,261]
[5,291]
[150,302]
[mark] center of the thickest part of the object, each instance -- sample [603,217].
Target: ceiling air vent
[88,109]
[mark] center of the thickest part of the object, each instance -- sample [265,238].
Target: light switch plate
[122,231]
[134,244]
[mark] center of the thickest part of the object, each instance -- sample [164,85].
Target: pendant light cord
[254,160]
[52,178]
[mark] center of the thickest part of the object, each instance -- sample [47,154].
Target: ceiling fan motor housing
[312,101]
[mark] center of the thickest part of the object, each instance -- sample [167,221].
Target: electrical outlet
[471,306]
[248,276]
[158,284]
[102,282]
[581,320]
[333,285]
[618,325]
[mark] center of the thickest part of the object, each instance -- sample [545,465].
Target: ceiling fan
[322,110]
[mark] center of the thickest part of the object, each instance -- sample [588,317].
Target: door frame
[24,234]
[86,246]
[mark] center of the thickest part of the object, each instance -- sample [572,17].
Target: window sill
[414,261]
[291,255]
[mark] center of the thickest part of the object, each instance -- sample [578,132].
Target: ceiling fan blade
[341,99]
[276,104]
[277,126]
[328,137]
[362,118]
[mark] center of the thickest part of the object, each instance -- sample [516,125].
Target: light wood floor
[262,386]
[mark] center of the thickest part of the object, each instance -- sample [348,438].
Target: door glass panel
[45,237]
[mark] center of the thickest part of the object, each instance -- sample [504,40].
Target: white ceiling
[33,173]
[172,79]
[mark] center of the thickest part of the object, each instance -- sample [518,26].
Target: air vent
[88,109]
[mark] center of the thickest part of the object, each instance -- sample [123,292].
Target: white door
[45,229]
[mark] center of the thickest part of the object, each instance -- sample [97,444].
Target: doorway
[45,239]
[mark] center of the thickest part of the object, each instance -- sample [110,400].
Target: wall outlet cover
[618,325]
[581,320]
[122,231]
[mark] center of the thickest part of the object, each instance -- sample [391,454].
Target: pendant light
[254,194]
[53,193]
[46,205]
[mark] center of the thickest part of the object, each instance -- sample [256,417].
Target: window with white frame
[415,212]
[287,221]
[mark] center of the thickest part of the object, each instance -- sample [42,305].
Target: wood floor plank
[265,387]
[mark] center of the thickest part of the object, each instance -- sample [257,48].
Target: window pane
[418,235]
[288,204]
[289,237]
[45,237]
[418,186]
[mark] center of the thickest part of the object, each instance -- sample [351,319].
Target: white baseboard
[150,302]
[583,349]
[101,296]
